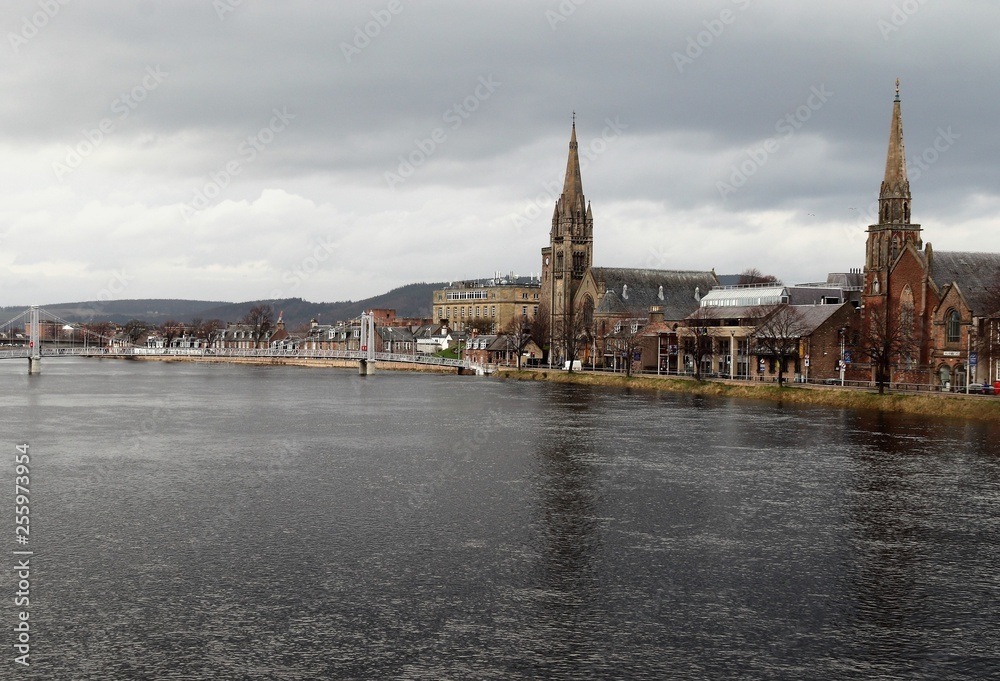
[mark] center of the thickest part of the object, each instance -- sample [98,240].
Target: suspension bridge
[33,346]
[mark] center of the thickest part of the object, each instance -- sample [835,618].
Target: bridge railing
[101,351]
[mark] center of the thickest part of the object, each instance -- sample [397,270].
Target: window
[524,311]
[954,328]
[493,310]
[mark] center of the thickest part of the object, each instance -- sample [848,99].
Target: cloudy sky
[246,149]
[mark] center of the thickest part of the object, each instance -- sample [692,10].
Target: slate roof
[977,276]
[847,280]
[394,334]
[813,316]
[634,291]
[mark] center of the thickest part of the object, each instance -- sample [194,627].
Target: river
[193,521]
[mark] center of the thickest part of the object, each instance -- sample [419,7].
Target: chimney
[656,314]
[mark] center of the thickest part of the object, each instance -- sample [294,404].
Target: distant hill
[412,300]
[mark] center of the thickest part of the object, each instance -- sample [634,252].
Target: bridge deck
[430,360]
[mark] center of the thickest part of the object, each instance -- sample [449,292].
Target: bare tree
[574,333]
[482,325]
[778,332]
[885,339]
[698,343]
[134,329]
[752,275]
[517,334]
[170,330]
[626,337]
[540,328]
[988,331]
[99,332]
[207,329]
[260,320]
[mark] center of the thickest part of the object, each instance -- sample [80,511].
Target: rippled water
[278,522]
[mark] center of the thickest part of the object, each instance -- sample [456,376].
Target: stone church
[945,303]
[581,300]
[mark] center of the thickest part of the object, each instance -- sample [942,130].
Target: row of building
[909,315]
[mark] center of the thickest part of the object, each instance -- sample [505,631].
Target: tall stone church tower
[888,238]
[570,253]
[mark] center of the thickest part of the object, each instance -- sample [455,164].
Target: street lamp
[843,364]
[732,352]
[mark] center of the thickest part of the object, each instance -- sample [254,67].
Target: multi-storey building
[491,303]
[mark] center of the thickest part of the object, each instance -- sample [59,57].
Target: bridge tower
[366,364]
[34,343]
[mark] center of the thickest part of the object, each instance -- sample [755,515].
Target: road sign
[807,360]
[973,358]
[847,357]
[364,348]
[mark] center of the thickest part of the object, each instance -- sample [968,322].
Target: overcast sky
[237,150]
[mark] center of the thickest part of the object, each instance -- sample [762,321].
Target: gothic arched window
[954,328]
[906,312]
[588,312]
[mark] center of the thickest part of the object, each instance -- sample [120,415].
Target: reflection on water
[278,522]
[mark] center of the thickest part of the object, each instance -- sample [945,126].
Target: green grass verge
[935,404]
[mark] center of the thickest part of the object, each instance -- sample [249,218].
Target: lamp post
[843,335]
[732,353]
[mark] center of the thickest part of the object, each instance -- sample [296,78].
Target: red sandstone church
[933,310]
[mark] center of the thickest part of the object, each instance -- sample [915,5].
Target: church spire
[894,196]
[572,196]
